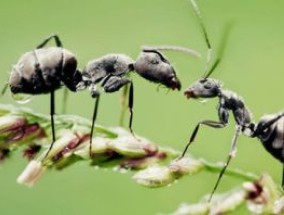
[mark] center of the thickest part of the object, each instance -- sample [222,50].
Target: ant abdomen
[44,70]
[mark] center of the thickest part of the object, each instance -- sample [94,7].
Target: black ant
[44,70]
[111,72]
[269,130]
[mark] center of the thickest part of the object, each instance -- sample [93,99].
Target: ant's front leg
[114,83]
[223,114]
[210,123]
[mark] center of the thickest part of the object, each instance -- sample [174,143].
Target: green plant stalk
[236,173]
[215,167]
[69,121]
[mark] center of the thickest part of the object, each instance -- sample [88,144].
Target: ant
[111,72]
[269,130]
[43,71]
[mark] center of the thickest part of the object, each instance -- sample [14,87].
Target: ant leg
[55,37]
[52,112]
[231,154]
[4,89]
[209,123]
[52,100]
[113,84]
[58,44]
[130,106]
[123,104]
[93,124]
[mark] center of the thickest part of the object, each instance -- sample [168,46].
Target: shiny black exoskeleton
[111,72]
[44,70]
[269,130]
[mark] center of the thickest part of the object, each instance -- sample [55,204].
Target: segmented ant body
[44,70]
[111,72]
[269,130]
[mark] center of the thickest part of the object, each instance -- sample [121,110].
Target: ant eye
[155,61]
[171,78]
[265,130]
[207,86]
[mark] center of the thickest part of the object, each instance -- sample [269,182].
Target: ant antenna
[205,34]
[216,63]
[186,50]
[157,52]
[221,49]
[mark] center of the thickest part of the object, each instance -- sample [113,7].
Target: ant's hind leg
[95,112]
[130,106]
[52,112]
[58,44]
[113,84]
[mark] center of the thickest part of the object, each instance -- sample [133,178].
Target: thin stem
[71,122]
[213,167]
[61,120]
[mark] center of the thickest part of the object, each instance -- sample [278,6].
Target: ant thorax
[111,64]
[232,101]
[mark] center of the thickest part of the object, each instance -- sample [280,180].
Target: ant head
[153,66]
[203,88]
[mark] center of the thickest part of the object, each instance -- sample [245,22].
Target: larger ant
[111,72]
[269,130]
[44,70]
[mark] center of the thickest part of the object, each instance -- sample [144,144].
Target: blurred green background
[253,66]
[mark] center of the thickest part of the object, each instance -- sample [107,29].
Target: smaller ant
[269,130]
